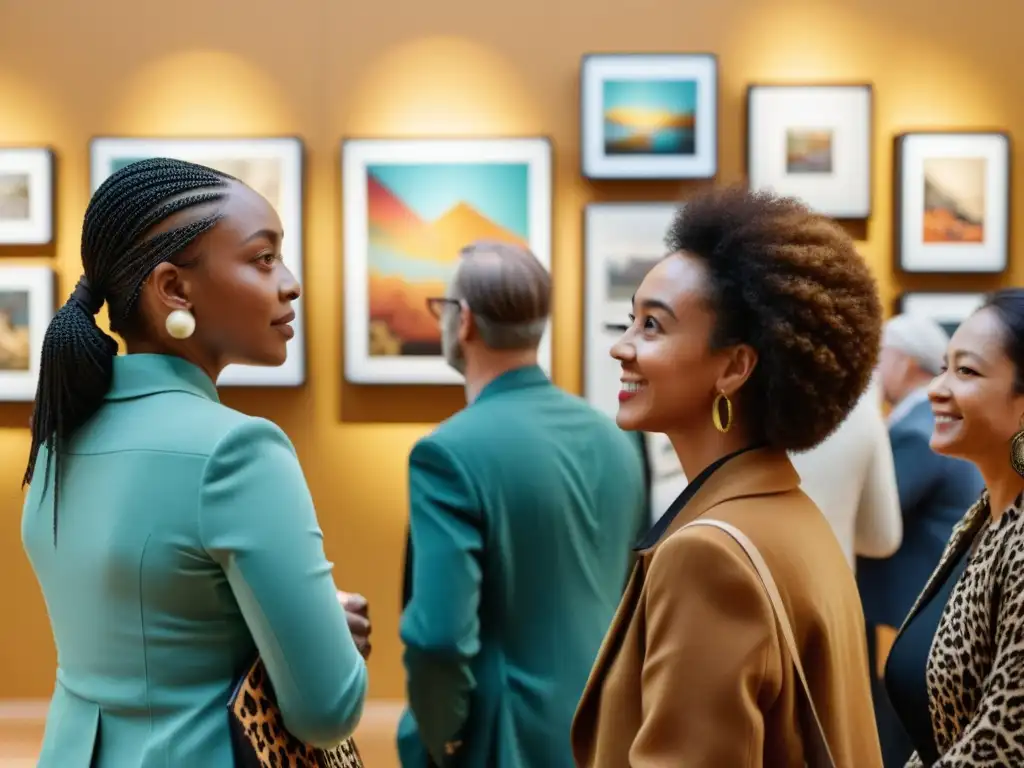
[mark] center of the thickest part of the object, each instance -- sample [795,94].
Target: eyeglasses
[436,305]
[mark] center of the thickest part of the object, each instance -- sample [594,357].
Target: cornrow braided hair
[77,360]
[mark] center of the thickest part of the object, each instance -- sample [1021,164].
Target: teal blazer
[187,542]
[523,510]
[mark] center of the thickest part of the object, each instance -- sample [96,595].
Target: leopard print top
[975,672]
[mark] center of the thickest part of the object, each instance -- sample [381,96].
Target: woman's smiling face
[975,399]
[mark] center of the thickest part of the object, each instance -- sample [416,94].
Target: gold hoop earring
[716,415]
[1017,449]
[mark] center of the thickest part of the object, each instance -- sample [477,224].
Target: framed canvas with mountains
[953,202]
[409,207]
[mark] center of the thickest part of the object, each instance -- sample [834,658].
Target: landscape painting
[26,196]
[625,275]
[14,330]
[271,166]
[808,150]
[419,219]
[15,203]
[26,308]
[650,117]
[410,206]
[954,199]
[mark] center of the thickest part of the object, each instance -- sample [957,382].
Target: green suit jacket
[523,509]
[187,541]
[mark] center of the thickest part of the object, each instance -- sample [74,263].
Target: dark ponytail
[77,359]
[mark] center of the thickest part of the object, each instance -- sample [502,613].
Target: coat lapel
[587,706]
[758,472]
[960,539]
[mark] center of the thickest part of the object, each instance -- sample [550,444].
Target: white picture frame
[504,188]
[812,142]
[27,304]
[26,196]
[952,202]
[621,242]
[626,101]
[947,308]
[274,167]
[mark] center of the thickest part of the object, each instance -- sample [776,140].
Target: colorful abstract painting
[419,218]
[650,117]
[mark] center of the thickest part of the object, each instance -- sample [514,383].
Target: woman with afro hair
[754,337]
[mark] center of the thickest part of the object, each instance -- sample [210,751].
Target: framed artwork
[952,201]
[812,142]
[409,207]
[26,308]
[622,242]
[948,309]
[649,116]
[26,196]
[271,166]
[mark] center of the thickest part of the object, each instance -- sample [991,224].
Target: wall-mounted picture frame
[649,116]
[273,166]
[26,196]
[947,308]
[952,202]
[812,142]
[622,242]
[409,206]
[27,304]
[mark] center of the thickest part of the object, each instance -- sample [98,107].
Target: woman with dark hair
[955,674]
[172,537]
[756,336]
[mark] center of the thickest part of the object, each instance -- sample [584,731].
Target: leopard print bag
[259,737]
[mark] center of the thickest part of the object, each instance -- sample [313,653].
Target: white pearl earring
[180,324]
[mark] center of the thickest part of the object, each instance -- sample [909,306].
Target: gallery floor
[21,730]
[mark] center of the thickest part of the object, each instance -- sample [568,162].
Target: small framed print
[649,116]
[26,196]
[622,242]
[812,142]
[948,309]
[26,308]
[272,166]
[952,202]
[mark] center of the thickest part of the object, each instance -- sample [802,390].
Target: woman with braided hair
[755,336]
[172,537]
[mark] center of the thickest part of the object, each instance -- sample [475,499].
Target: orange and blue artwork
[650,117]
[420,216]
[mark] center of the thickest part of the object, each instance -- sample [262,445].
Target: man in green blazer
[523,509]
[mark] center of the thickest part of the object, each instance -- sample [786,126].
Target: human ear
[740,364]
[170,286]
[467,326]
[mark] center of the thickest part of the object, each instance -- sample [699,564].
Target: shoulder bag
[258,735]
[816,748]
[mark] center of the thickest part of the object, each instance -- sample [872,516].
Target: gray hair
[919,337]
[508,291]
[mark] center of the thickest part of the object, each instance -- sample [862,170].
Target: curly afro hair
[790,283]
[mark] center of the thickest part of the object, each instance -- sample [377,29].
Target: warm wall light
[201,93]
[29,118]
[440,86]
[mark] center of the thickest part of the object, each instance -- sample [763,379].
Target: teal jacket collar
[517,378]
[146,374]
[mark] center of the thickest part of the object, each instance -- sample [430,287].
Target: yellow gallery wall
[324,69]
